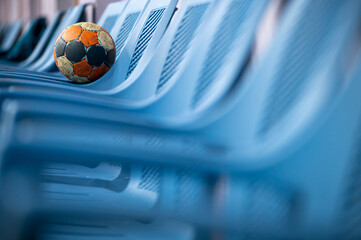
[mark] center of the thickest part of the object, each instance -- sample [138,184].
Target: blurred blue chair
[10,36]
[3,28]
[305,180]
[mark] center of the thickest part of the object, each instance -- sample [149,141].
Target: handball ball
[84,52]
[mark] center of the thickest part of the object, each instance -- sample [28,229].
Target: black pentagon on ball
[96,55]
[110,58]
[75,51]
[60,47]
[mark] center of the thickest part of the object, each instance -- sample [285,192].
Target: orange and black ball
[84,52]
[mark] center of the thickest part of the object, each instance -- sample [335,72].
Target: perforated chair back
[142,78]
[111,14]
[217,58]
[142,25]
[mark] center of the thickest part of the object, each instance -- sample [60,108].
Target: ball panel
[90,26]
[106,40]
[80,80]
[98,73]
[96,55]
[71,33]
[59,37]
[60,47]
[75,51]
[82,69]
[65,66]
[89,38]
[110,58]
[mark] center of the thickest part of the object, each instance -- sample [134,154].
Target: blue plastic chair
[3,29]
[308,184]
[90,227]
[305,140]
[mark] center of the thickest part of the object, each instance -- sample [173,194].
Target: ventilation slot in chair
[222,44]
[184,35]
[109,22]
[150,178]
[144,38]
[191,194]
[125,30]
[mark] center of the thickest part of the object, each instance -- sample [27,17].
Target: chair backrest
[298,80]
[157,15]
[28,40]
[127,22]
[163,58]
[111,14]
[216,59]
[41,46]
[11,35]
[139,32]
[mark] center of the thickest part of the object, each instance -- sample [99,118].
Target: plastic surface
[264,149]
